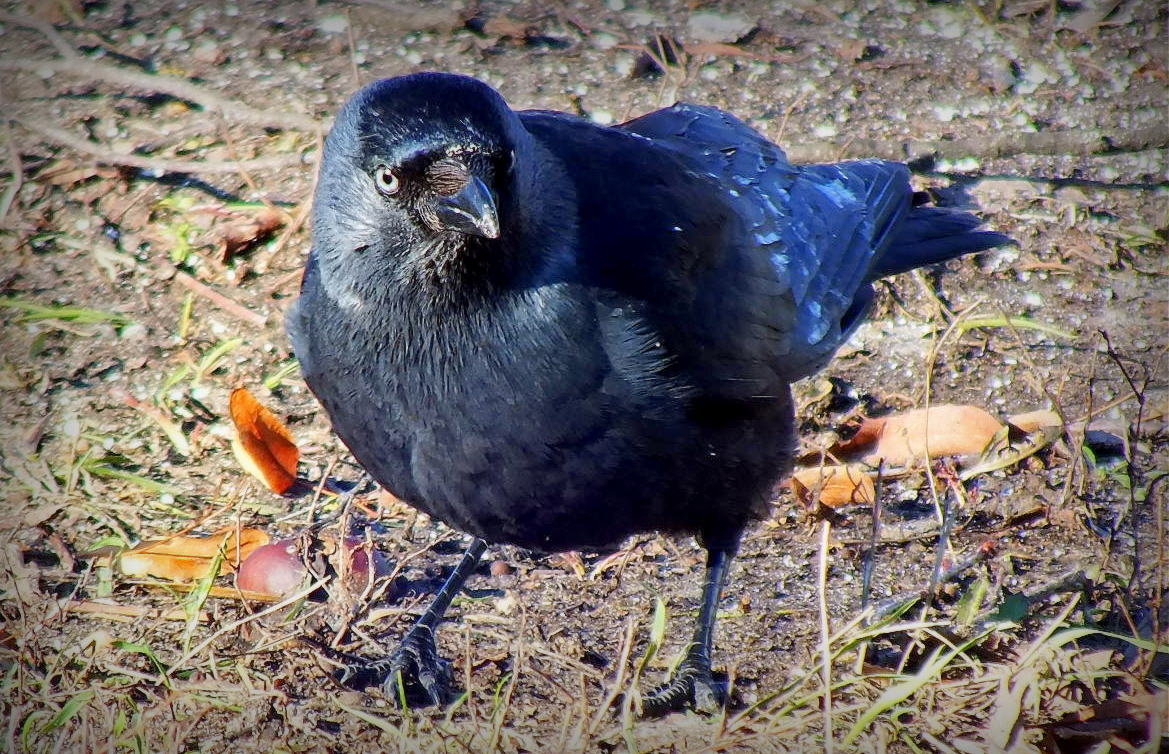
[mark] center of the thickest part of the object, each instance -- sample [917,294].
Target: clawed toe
[412,676]
[692,685]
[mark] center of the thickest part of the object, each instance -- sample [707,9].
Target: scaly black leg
[414,670]
[692,683]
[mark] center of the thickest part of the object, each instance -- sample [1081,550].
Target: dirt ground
[139,289]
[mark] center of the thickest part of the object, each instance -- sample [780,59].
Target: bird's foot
[692,684]
[413,675]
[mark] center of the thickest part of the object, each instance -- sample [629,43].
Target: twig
[870,561]
[352,48]
[59,43]
[896,602]
[1075,580]
[1004,144]
[223,302]
[943,544]
[17,170]
[235,625]
[78,144]
[127,613]
[825,635]
[229,142]
[615,689]
[178,88]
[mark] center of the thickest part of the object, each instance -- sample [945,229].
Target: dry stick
[615,690]
[893,604]
[297,222]
[931,361]
[825,635]
[874,538]
[870,562]
[17,170]
[242,169]
[943,545]
[223,302]
[235,625]
[210,101]
[352,49]
[127,613]
[787,113]
[1159,566]
[1005,144]
[108,157]
[46,30]
[503,707]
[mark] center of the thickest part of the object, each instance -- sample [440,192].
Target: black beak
[471,211]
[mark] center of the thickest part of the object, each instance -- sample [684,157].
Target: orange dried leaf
[243,233]
[262,445]
[1026,435]
[1035,420]
[837,486]
[187,558]
[946,430]
[505,26]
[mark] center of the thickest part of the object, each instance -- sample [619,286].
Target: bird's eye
[387,181]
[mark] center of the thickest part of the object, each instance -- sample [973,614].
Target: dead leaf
[244,232]
[1125,719]
[1024,435]
[262,445]
[505,26]
[67,173]
[1032,420]
[946,430]
[833,486]
[850,50]
[187,558]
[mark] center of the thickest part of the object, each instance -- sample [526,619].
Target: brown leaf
[263,445]
[945,430]
[67,173]
[722,49]
[836,486]
[187,558]
[1031,421]
[505,26]
[849,50]
[1110,719]
[244,232]
[1025,435]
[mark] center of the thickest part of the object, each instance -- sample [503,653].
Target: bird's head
[418,164]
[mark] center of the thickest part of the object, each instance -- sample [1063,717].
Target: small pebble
[601,117]
[336,24]
[603,40]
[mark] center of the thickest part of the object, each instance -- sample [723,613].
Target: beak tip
[471,211]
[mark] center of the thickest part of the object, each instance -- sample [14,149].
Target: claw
[416,673]
[413,673]
[691,685]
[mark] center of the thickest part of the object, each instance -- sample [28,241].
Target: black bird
[554,334]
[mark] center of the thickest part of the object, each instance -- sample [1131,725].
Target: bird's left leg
[414,670]
[692,682]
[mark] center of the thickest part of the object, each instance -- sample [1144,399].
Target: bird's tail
[934,234]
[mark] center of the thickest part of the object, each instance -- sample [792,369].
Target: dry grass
[1009,657]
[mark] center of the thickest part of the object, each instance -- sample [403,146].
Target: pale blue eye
[387,181]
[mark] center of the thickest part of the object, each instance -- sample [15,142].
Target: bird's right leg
[414,672]
[692,683]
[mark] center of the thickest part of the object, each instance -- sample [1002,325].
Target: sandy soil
[1049,117]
